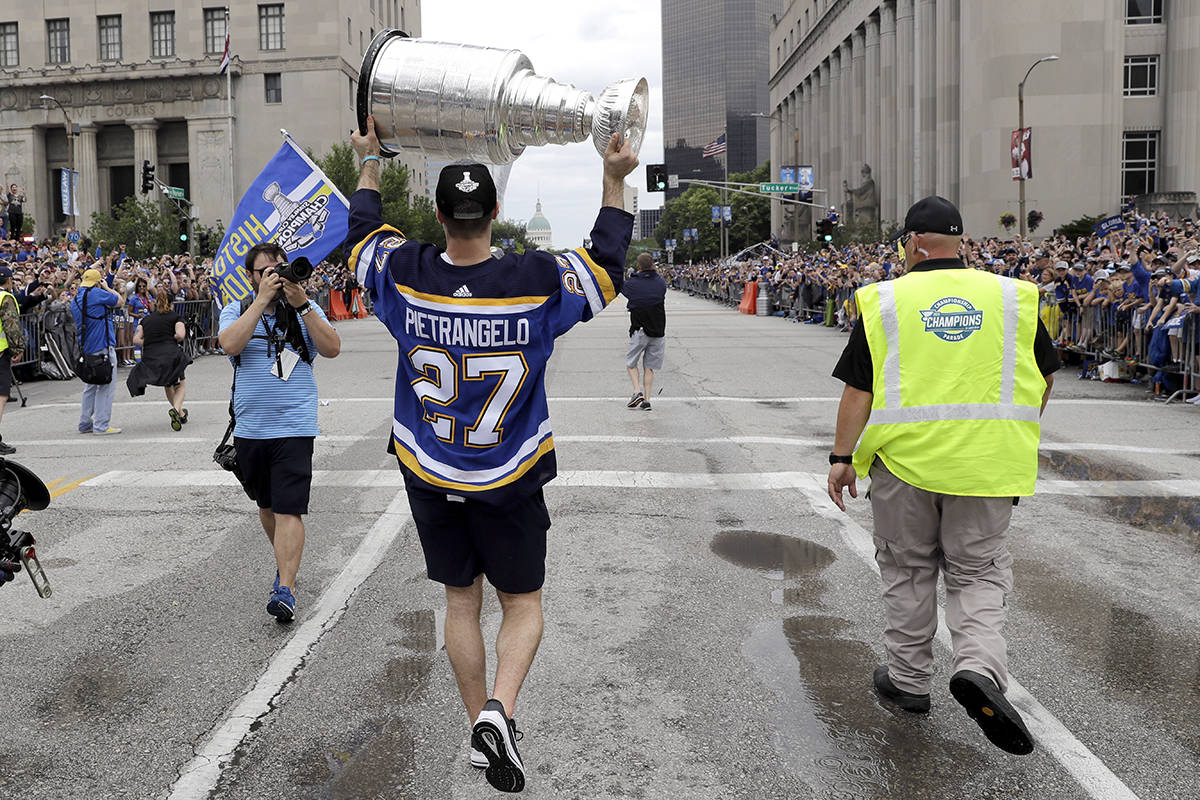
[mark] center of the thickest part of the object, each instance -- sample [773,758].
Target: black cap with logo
[465,191]
[931,214]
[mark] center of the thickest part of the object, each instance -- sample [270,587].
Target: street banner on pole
[1022,157]
[787,174]
[69,191]
[291,202]
[716,212]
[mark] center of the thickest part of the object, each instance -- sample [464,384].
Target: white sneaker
[478,759]
[495,736]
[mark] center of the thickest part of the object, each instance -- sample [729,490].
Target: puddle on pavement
[1140,660]
[96,688]
[1177,515]
[403,677]
[771,555]
[419,629]
[832,730]
[377,761]
[727,520]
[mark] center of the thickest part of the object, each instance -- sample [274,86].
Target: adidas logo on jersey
[462,291]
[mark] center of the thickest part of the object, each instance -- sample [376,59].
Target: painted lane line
[110,443]
[1085,766]
[618,479]
[200,776]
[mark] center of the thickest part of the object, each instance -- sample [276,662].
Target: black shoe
[987,705]
[913,703]
[6,449]
[646,405]
[495,735]
[634,401]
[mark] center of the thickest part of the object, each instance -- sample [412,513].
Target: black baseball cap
[465,191]
[931,214]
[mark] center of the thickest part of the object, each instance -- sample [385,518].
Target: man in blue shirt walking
[272,340]
[90,308]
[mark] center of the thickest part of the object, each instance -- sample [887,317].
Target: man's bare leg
[634,379]
[289,545]
[267,517]
[464,644]
[648,381]
[516,645]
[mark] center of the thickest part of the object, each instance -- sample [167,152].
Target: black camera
[295,271]
[20,489]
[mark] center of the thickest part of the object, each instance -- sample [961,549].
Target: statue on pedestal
[862,202]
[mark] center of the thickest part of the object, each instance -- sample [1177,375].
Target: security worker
[948,374]
[12,342]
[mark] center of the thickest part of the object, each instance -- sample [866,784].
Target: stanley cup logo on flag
[292,203]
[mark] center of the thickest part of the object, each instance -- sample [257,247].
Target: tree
[1080,227]
[340,165]
[751,215]
[147,228]
[507,229]
[692,209]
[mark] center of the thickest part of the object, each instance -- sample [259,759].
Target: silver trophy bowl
[459,101]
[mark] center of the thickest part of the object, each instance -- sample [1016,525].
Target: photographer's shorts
[653,348]
[465,538]
[279,470]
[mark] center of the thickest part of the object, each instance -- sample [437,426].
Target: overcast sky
[578,43]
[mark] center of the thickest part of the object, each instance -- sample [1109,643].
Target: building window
[162,34]
[215,27]
[349,35]
[274,87]
[10,56]
[1143,12]
[270,27]
[58,41]
[350,81]
[1139,162]
[1141,76]
[110,37]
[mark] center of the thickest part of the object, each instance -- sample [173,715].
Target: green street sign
[174,192]
[779,188]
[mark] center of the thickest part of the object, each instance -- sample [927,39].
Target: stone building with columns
[925,92]
[140,81]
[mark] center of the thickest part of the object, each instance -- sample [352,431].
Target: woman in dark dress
[163,360]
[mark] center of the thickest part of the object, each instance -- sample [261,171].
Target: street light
[796,159]
[70,159]
[1021,128]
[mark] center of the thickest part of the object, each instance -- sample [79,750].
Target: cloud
[590,48]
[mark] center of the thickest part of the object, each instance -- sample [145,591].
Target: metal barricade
[31,325]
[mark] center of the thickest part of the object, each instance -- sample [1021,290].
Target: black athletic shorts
[279,471]
[463,539]
[6,376]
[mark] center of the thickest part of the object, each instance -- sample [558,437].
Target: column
[846,123]
[858,82]
[776,150]
[1180,146]
[871,119]
[948,102]
[803,114]
[888,113]
[824,124]
[833,141]
[927,95]
[145,148]
[88,192]
[905,107]
[208,155]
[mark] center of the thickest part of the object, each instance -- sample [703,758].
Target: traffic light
[825,230]
[656,177]
[183,233]
[147,177]
[202,239]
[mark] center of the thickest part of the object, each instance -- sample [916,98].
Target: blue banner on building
[292,203]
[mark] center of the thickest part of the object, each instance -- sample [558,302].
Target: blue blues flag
[1106,226]
[292,203]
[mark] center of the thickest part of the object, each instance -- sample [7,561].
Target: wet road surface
[711,625]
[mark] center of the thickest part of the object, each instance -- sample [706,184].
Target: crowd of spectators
[1129,297]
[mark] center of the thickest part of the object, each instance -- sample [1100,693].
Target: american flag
[225,58]
[715,147]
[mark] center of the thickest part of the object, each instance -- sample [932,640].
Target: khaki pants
[916,534]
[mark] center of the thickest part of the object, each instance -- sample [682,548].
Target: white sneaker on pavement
[495,736]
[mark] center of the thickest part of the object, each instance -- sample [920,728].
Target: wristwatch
[304,309]
[836,459]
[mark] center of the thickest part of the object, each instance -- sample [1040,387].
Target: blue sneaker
[282,605]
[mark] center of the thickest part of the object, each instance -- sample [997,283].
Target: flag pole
[724,197]
[229,99]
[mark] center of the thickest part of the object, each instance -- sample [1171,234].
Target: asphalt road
[711,621]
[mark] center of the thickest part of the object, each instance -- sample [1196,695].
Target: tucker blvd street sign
[779,188]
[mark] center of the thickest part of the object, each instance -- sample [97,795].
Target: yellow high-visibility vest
[957,393]
[4,295]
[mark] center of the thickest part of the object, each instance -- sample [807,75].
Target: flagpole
[229,99]
[724,197]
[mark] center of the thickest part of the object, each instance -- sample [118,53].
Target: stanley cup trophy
[464,102]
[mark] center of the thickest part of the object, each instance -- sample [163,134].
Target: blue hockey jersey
[470,416]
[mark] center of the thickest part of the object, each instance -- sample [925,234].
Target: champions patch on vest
[955,324]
